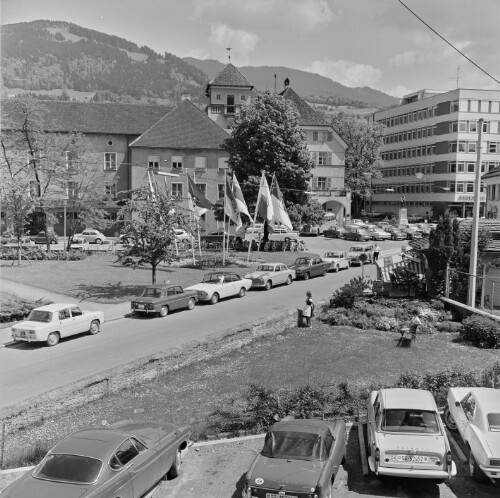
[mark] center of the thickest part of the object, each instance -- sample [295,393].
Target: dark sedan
[300,458]
[357,234]
[125,459]
[42,237]
[335,232]
[310,266]
[161,299]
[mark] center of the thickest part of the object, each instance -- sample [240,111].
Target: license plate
[409,458]
[23,334]
[274,495]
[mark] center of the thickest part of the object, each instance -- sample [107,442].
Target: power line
[446,41]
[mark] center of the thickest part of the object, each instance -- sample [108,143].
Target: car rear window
[40,316]
[69,468]
[297,445]
[265,268]
[415,421]
[493,421]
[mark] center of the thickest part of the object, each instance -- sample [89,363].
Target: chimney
[185,96]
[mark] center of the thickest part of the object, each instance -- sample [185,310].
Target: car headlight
[203,294]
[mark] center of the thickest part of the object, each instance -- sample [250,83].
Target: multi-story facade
[430,151]
[491,181]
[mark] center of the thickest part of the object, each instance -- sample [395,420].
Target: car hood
[296,475]
[204,287]
[434,443]
[28,486]
[28,324]
[258,274]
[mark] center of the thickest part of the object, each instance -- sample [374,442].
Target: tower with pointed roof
[227,92]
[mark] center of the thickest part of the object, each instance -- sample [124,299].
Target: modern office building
[430,151]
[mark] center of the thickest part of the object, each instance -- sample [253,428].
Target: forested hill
[46,55]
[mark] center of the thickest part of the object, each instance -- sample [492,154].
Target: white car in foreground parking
[475,413]
[338,260]
[218,285]
[268,275]
[52,322]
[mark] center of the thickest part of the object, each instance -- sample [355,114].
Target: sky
[375,43]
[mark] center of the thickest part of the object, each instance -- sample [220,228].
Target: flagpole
[197,219]
[254,221]
[192,218]
[224,222]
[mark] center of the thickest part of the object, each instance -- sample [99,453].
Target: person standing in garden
[308,311]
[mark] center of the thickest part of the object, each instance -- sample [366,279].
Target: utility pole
[471,301]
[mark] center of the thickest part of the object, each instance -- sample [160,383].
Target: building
[430,151]
[491,181]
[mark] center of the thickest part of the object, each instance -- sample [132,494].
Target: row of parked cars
[299,458]
[91,236]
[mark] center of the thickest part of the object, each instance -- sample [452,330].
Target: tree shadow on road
[111,292]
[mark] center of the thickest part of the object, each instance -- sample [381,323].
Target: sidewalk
[111,311]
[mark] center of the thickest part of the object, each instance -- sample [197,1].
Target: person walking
[376,252]
[308,311]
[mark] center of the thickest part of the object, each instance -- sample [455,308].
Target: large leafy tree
[149,221]
[266,136]
[362,160]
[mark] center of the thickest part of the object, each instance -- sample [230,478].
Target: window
[454,106]
[493,147]
[220,191]
[473,105]
[34,189]
[126,452]
[222,163]
[111,190]
[76,311]
[472,126]
[471,146]
[72,190]
[154,163]
[177,190]
[218,96]
[230,104]
[243,98]
[203,188]
[177,162]
[460,187]
[469,187]
[324,158]
[71,164]
[461,167]
[64,314]
[110,161]
[200,162]
[470,167]
[321,183]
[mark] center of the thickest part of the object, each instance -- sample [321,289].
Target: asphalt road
[28,370]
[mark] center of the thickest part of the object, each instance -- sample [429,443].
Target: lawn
[101,278]
[324,355]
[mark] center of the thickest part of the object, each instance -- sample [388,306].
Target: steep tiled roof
[492,226]
[90,117]
[185,126]
[230,76]
[308,116]
[492,173]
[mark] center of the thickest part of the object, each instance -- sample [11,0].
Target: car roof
[488,398]
[301,425]
[310,256]
[407,398]
[160,286]
[55,306]
[270,263]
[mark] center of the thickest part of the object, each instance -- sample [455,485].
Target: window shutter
[315,136]
[315,182]
[328,183]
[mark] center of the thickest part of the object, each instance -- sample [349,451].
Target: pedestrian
[415,322]
[308,311]
[376,252]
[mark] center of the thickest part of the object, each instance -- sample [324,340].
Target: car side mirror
[457,403]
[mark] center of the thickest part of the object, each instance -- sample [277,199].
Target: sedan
[335,232]
[357,234]
[91,236]
[125,459]
[406,437]
[299,458]
[337,259]
[162,299]
[10,238]
[41,238]
[475,413]
[379,234]
[268,275]
[218,285]
[52,322]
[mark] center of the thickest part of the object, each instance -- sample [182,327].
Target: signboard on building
[470,198]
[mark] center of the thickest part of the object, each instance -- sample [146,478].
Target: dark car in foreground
[162,299]
[43,238]
[310,266]
[300,459]
[123,460]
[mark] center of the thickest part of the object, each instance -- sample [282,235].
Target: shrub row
[37,254]
[14,308]
[481,332]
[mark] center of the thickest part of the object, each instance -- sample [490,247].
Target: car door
[465,414]
[374,412]
[279,275]
[180,298]
[235,284]
[66,327]
[81,322]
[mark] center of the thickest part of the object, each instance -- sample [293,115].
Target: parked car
[162,299]
[41,238]
[338,260]
[357,234]
[299,458]
[91,236]
[410,232]
[355,252]
[125,459]
[475,413]
[424,229]
[52,322]
[10,238]
[335,232]
[357,221]
[218,285]
[270,274]
[282,233]
[406,436]
[184,237]
[379,234]
[396,233]
[310,266]
[310,231]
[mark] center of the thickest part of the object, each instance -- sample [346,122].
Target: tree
[149,223]
[362,161]
[266,136]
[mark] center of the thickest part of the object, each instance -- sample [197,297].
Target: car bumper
[25,339]
[136,310]
[491,472]
[417,473]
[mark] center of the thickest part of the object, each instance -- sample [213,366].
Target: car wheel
[449,420]
[95,327]
[175,470]
[306,276]
[215,298]
[164,311]
[98,241]
[191,304]
[337,268]
[289,280]
[243,291]
[53,339]
[324,273]
[185,241]
[268,286]
[475,472]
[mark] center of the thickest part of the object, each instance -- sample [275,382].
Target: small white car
[378,233]
[91,236]
[218,285]
[338,260]
[52,322]
[475,413]
[406,437]
[267,275]
[355,252]
[182,236]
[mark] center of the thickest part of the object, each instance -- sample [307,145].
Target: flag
[197,194]
[264,205]
[279,211]
[198,211]
[238,195]
[151,186]
[230,206]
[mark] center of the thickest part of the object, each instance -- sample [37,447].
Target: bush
[347,295]
[37,254]
[481,332]
[14,308]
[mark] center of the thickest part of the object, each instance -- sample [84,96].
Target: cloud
[244,42]
[347,73]
[404,58]
[308,15]
[197,53]
[399,90]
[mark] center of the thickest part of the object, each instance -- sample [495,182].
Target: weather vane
[229,53]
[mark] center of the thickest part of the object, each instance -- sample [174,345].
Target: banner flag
[264,204]
[230,206]
[197,194]
[238,195]
[279,211]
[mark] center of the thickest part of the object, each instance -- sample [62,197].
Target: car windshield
[297,445]
[40,316]
[212,278]
[356,249]
[418,421]
[265,268]
[333,255]
[69,468]
[151,292]
[493,422]
[302,261]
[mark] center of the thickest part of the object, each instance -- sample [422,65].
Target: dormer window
[218,96]
[243,98]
